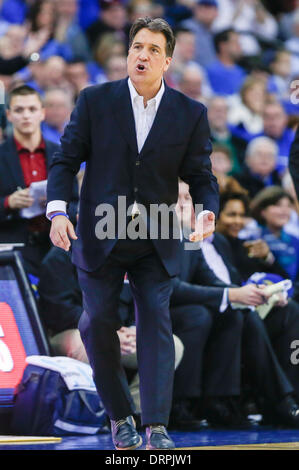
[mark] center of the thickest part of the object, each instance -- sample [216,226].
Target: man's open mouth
[140,67]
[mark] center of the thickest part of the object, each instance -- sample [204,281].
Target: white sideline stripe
[74,427]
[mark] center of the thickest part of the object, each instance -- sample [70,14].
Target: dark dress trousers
[102,133]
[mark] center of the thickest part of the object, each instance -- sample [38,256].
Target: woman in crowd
[245,113]
[272,208]
[42,15]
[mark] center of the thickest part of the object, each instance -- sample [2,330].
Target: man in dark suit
[25,158]
[137,136]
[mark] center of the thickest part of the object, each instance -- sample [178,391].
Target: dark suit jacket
[102,133]
[13,228]
[252,183]
[239,265]
[196,283]
[294,162]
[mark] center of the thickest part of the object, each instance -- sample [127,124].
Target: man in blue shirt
[226,77]
[205,12]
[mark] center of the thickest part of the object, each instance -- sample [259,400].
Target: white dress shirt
[144,117]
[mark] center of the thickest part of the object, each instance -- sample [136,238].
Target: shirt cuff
[55,206]
[224,302]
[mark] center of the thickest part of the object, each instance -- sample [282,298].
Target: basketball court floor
[209,439]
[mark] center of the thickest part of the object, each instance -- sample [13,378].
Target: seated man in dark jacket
[24,159]
[199,286]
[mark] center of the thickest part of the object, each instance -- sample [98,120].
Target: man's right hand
[61,232]
[250,294]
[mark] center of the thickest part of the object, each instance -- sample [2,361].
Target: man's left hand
[204,227]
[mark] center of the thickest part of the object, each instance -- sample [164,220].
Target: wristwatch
[34,57]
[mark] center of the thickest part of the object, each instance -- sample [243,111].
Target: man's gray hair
[258,142]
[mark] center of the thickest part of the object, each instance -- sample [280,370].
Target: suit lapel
[222,251]
[13,163]
[123,113]
[161,124]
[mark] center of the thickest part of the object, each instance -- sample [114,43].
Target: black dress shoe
[226,413]
[182,418]
[157,438]
[124,434]
[287,412]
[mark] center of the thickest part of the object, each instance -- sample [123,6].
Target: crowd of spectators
[240,58]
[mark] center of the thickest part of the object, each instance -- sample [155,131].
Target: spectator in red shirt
[24,159]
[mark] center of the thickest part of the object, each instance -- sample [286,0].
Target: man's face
[206,14]
[147,60]
[77,75]
[282,65]
[217,114]
[26,114]
[191,84]
[275,121]
[57,109]
[185,45]
[233,46]
[263,161]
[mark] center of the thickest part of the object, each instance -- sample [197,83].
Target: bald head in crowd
[58,107]
[190,82]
